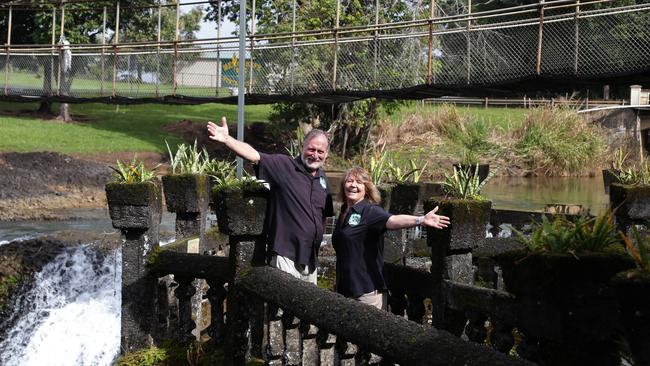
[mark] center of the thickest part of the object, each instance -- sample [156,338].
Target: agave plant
[188,159]
[562,235]
[220,169]
[376,167]
[397,174]
[465,185]
[294,145]
[231,182]
[635,176]
[133,172]
[640,251]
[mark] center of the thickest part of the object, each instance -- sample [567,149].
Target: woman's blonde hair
[372,193]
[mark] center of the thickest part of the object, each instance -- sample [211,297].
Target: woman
[358,238]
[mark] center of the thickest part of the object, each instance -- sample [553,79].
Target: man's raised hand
[218,133]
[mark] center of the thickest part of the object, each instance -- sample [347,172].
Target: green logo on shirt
[354,219]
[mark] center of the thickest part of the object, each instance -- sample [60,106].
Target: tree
[347,123]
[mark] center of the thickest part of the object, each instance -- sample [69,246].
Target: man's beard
[309,168]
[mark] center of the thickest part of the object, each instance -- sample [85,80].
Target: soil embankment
[35,185]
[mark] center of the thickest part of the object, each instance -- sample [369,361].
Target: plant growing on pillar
[240,205]
[562,235]
[464,184]
[188,159]
[133,172]
[638,247]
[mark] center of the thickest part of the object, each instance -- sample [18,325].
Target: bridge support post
[136,210]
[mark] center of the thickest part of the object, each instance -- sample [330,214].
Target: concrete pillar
[188,195]
[136,210]
[635,95]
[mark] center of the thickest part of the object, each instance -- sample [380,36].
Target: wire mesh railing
[450,47]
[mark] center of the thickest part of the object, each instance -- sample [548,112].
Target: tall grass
[546,141]
[556,141]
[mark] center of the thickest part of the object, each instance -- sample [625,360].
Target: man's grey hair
[315,133]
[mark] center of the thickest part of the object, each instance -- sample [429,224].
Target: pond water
[516,193]
[532,194]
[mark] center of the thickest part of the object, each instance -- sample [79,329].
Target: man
[300,199]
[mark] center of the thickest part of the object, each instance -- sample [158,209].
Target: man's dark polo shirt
[298,205]
[359,243]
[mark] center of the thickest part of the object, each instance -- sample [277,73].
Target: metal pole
[577,31]
[250,72]
[430,51]
[7,50]
[240,82]
[469,40]
[158,52]
[336,43]
[540,34]
[49,88]
[293,42]
[219,66]
[116,40]
[101,79]
[376,43]
[178,17]
[59,81]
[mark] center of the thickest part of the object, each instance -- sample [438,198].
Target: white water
[71,316]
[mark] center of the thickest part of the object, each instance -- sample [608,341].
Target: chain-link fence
[558,39]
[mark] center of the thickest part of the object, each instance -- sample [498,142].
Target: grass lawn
[109,128]
[505,118]
[91,87]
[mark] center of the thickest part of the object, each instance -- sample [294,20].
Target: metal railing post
[469,40]
[250,72]
[293,45]
[158,51]
[174,81]
[376,44]
[219,66]
[336,44]
[101,80]
[8,50]
[62,28]
[430,50]
[52,48]
[577,37]
[116,41]
[540,34]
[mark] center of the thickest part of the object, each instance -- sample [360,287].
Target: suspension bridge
[440,50]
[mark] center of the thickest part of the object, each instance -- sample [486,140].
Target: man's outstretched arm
[220,134]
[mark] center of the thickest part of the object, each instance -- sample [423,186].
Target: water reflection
[93,220]
[532,194]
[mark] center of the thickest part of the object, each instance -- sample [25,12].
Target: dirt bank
[34,185]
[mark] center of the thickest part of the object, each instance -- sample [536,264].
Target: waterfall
[71,316]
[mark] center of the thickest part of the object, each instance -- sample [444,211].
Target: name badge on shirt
[354,219]
[323,182]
